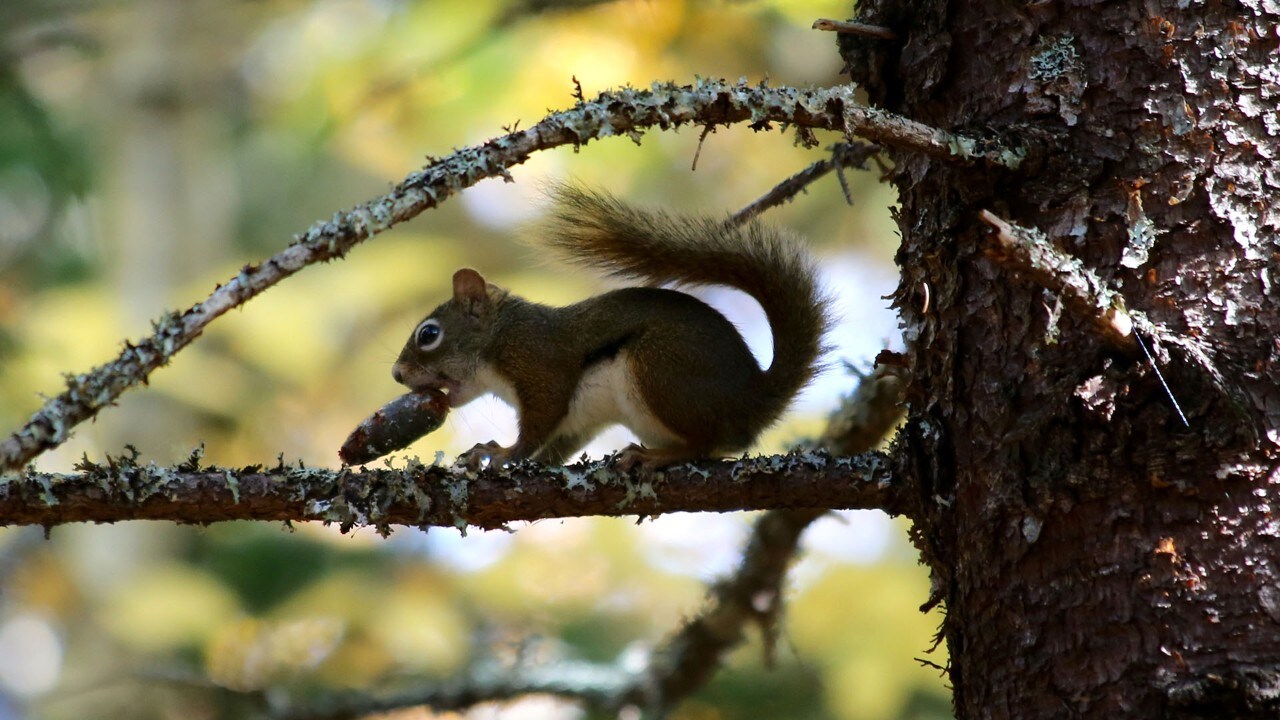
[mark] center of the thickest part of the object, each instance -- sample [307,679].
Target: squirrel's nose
[397,375]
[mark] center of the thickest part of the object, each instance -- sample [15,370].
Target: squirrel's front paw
[473,459]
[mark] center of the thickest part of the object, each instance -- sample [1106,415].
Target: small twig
[842,155]
[701,140]
[845,27]
[838,152]
[925,662]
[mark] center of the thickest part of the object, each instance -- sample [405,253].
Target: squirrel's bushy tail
[598,231]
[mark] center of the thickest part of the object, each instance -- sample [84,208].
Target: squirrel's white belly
[608,395]
[489,381]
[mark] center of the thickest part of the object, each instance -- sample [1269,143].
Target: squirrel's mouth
[441,384]
[422,379]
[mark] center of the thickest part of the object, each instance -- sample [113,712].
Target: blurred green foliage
[149,148]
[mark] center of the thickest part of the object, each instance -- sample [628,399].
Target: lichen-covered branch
[421,495]
[628,112]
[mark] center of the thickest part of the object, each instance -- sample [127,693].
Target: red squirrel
[660,362]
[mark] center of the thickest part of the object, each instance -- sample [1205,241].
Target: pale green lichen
[1142,234]
[1057,78]
[1053,58]
[423,500]
[233,484]
[646,491]
[152,480]
[458,490]
[1031,529]
[46,488]
[961,146]
[1012,157]
[628,498]
[637,490]
[575,480]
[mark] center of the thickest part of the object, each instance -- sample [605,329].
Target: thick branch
[437,496]
[620,112]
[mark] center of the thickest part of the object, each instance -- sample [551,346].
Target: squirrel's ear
[469,289]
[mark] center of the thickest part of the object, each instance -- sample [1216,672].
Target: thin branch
[420,495]
[843,155]
[844,27]
[618,112]
[886,128]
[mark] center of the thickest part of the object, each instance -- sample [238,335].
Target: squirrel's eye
[428,335]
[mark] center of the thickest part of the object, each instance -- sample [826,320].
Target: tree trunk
[1096,556]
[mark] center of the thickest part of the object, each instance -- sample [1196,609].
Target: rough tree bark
[1096,556]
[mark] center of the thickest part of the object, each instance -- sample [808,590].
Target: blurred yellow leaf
[168,606]
[421,628]
[251,654]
